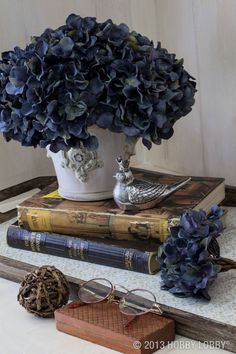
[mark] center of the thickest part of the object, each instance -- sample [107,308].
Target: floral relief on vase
[82,161]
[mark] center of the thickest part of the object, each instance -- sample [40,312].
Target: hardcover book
[46,211]
[105,253]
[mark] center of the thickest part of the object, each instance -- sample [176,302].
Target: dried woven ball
[43,291]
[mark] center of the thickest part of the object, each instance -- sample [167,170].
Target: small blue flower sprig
[190,257]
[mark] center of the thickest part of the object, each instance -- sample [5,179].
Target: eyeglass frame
[111,298]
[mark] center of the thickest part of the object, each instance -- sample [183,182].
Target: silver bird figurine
[132,194]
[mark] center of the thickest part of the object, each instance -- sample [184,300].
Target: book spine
[127,227]
[83,250]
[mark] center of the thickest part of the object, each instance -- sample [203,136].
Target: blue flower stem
[226,264]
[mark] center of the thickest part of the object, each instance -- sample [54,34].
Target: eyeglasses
[133,302]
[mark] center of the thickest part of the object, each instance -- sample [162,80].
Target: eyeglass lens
[137,302]
[95,290]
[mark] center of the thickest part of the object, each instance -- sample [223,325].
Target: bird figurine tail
[174,187]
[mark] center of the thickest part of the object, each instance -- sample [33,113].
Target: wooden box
[103,324]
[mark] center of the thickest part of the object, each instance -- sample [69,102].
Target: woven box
[103,324]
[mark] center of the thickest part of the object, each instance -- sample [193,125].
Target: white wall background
[203,32]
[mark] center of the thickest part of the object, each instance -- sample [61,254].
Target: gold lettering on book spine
[38,239]
[39,220]
[35,239]
[76,250]
[70,248]
[128,259]
[81,250]
[27,241]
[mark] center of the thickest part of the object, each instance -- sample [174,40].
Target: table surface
[20,332]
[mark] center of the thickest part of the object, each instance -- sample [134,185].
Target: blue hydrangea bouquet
[86,73]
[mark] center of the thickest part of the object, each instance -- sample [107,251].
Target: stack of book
[99,232]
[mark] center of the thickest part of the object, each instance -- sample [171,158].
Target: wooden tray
[187,324]
[38,182]
[102,323]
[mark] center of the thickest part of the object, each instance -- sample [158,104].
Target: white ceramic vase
[84,175]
